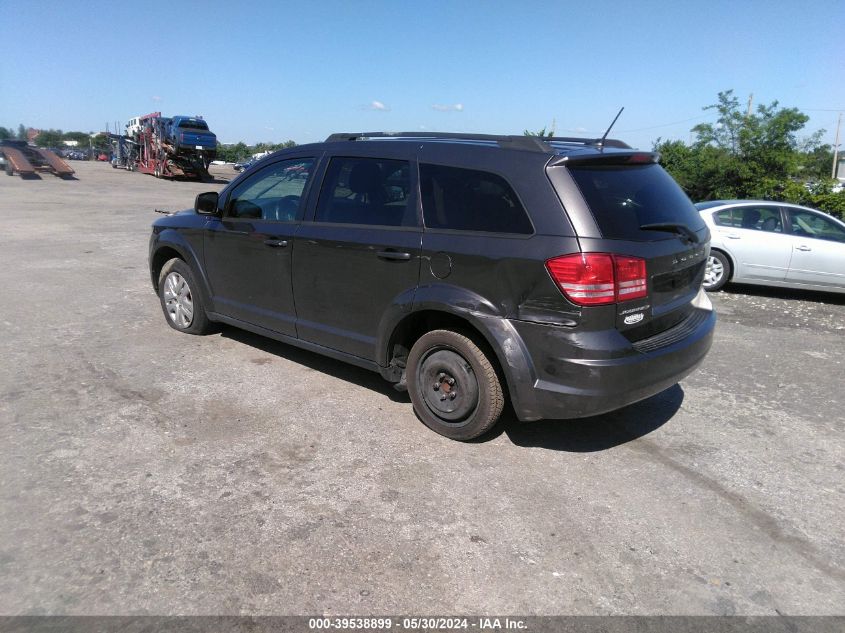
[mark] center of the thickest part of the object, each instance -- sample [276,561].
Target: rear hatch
[637,218]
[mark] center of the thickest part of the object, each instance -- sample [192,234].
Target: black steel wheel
[453,385]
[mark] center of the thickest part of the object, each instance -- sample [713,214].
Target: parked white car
[773,244]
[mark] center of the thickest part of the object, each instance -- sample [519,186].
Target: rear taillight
[630,277]
[591,279]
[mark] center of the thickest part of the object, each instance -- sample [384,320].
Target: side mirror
[206,203]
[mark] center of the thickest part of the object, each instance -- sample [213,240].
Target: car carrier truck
[167,147]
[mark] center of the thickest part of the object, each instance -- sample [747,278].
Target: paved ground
[145,471]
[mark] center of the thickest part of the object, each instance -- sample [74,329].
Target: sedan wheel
[718,271]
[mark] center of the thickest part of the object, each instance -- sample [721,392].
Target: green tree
[233,153]
[753,155]
[754,148]
[101,141]
[81,138]
[49,138]
[6,133]
[21,132]
[815,163]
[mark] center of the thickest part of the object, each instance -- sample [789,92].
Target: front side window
[274,193]
[370,191]
[470,200]
[807,224]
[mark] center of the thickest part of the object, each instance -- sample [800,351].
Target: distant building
[31,133]
[840,170]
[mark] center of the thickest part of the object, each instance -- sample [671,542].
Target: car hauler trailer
[26,160]
[166,147]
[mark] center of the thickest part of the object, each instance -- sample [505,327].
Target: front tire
[453,385]
[718,271]
[180,299]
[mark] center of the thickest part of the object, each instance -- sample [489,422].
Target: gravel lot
[145,471]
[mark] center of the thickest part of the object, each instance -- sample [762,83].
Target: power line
[654,127]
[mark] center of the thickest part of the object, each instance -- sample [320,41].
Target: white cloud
[457,107]
[156,98]
[577,130]
[378,105]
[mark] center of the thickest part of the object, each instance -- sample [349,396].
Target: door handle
[276,243]
[803,247]
[394,255]
[733,236]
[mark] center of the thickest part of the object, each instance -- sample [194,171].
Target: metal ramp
[59,166]
[28,161]
[18,162]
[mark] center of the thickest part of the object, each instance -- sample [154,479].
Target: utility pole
[836,147]
[750,101]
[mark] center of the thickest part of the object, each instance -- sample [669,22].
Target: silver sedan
[773,244]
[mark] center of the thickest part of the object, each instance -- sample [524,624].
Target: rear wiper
[672,227]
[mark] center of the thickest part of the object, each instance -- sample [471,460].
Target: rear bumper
[582,374]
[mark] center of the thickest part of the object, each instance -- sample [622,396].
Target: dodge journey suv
[561,274]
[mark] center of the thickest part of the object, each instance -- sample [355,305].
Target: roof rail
[530,143]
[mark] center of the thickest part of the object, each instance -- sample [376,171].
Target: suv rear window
[622,198]
[193,124]
[470,200]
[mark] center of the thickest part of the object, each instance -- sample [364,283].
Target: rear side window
[755,218]
[367,191]
[623,198]
[470,200]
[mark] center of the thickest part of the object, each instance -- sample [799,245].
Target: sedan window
[808,224]
[755,218]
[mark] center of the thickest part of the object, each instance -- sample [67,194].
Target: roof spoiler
[633,157]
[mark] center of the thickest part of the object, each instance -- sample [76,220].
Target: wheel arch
[161,256]
[495,335]
[170,244]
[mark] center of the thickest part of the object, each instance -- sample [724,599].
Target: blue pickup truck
[190,136]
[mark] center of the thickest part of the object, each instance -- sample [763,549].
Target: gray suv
[562,274]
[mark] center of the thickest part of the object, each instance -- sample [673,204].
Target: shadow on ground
[793,294]
[317,362]
[586,435]
[599,432]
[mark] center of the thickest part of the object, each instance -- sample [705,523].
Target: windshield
[623,198]
[194,124]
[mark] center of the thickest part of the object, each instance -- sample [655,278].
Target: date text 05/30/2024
[413,624]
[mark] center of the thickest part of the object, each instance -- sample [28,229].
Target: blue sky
[274,70]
